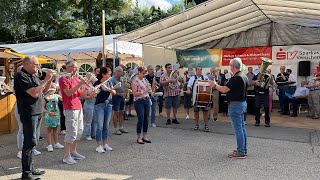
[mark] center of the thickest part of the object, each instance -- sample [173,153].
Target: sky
[163,4]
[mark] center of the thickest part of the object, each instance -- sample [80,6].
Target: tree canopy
[38,20]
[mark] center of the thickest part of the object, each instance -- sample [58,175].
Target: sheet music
[256,71]
[2,79]
[228,76]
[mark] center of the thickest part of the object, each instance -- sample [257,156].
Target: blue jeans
[102,119]
[31,127]
[236,113]
[153,109]
[88,109]
[20,131]
[142,108]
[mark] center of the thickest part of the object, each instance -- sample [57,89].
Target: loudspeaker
[304,68]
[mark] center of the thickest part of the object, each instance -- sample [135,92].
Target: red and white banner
[249,56]
[293,54]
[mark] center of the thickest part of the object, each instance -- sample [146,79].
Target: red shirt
[72,102]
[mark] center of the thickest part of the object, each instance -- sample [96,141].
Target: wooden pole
[103,39]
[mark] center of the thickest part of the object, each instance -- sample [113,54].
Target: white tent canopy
[216,19]
[77,45]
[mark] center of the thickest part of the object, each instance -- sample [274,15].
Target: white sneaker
[19,155]
[58,146]
[77,156]
[118,132]
[106,147]
[88,138]
[49,148]
[153,125]
[187,117]
[100,149]
[63,132]
[69,160]
[36,152]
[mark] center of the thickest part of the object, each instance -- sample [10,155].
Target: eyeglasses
[38,65]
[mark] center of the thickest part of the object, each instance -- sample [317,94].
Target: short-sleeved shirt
[140,85]
[292,79]
[191,81]
[103,95]
[72,102]
[280,81]
[312,81]
[258,89]
[115,80]
[27,105]
[250,79]
[167,90]
[238,87]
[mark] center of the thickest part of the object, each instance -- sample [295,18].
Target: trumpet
[55,73]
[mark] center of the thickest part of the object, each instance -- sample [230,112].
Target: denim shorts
[118,103]
[130,102]
[197,109]
[172,101]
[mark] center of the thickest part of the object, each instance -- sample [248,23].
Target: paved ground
[178,152]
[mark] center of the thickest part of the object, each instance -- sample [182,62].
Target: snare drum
[202,94]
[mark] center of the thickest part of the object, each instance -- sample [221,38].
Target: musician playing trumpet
[196,108]
[71,91]
[171,93]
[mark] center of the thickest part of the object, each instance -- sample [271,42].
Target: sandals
[206,128]
[196,128]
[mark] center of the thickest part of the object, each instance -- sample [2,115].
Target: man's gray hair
[68,63]
[236,62]
[119,68]
[27,59]
[149,67]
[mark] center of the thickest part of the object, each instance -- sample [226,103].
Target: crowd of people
[84,107]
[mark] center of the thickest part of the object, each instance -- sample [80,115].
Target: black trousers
[62,118]
[31,126]
[160,99]
[262,99]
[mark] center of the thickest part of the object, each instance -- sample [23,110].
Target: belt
[314,89]
[233,102]
[143,98]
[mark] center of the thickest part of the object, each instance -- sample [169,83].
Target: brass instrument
[127,86]
[55,73]
[264,78]
[154,86]
[97,88]
[174,77]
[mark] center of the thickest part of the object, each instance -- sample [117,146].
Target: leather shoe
[294,115]
[29,176]
[140,142]
[38,172]
[146,140]
[285,113]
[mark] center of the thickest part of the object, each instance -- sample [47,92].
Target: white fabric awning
[215,19]
[77,45]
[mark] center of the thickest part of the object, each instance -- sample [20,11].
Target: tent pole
[103,39]
[114,54]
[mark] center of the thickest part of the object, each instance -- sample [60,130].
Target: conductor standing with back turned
[236,90]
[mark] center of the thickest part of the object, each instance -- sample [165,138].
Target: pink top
[141,86]
[72,102]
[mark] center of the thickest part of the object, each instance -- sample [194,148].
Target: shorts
[197,109]
[118,103]
[74,125]
[130,102]
[172,101]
